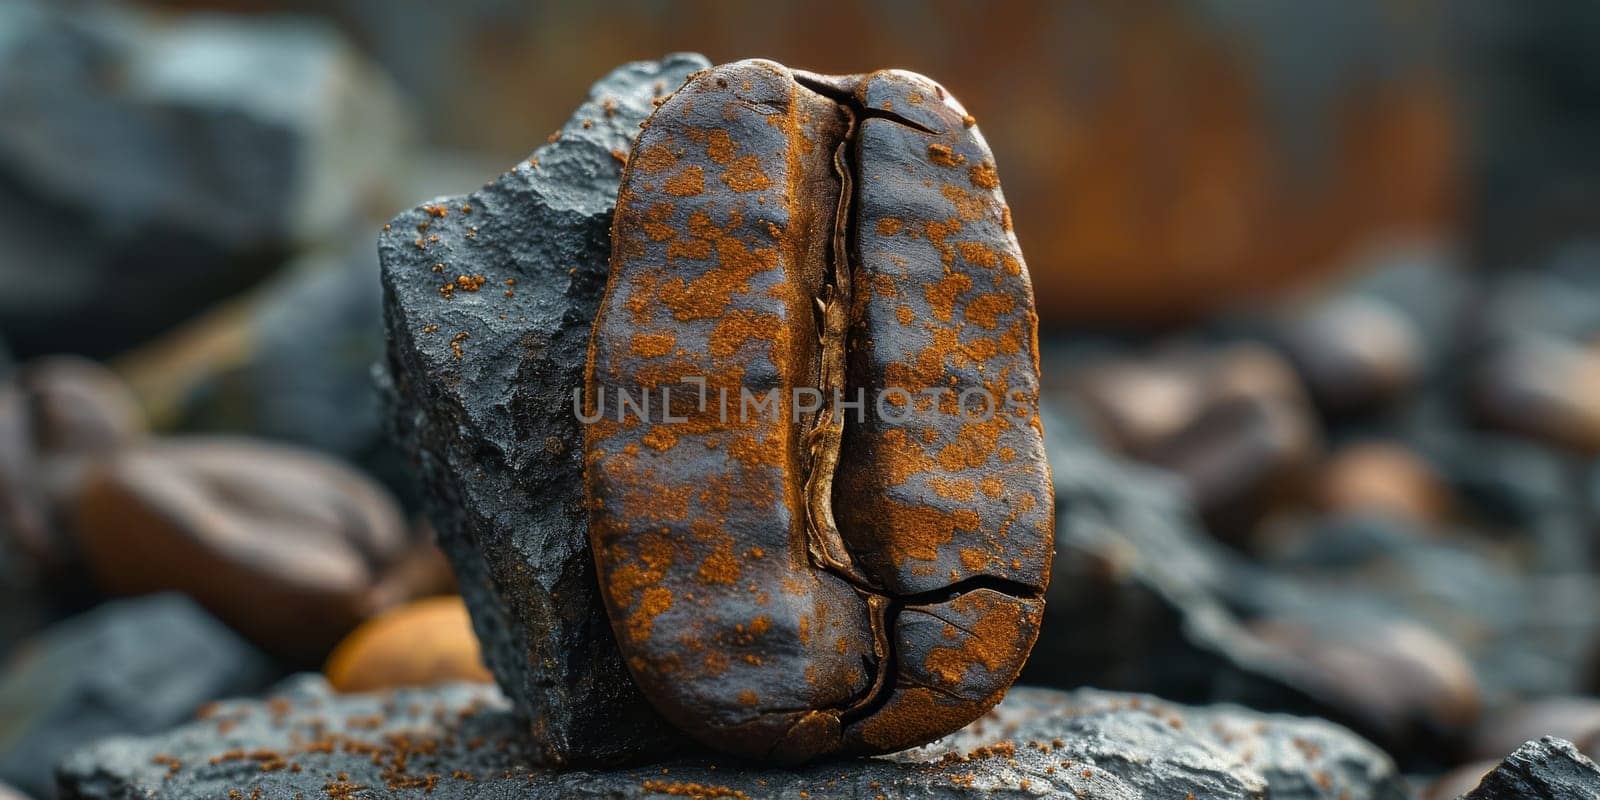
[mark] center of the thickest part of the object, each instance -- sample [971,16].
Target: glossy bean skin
[827,579]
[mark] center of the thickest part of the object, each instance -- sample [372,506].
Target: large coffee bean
[815,575]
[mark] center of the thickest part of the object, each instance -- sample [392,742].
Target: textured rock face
[1547,769]
[120,167]
[488,301]
[133,667]
[461,741]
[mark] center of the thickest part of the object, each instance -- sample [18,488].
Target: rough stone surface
[1546,769]
[120,170]
[463,741]
[131,667]
[488,300]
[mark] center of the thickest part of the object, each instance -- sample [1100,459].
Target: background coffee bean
[1575,718]
[422,643]
[788,585]
[1544,388]
[57,415]
[1396,679]
[1384,478]
[283,544]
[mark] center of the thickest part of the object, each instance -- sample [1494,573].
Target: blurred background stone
[1287,134]
[121,159]
[130,667]
[422,643]
[289,361]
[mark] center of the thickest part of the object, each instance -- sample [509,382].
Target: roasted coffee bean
[1383,478]
[1394,680]
[289,547]
[57,416]
[815,577]
[1542,387]
[1574,718]
[1355,354]
[421,643]
[1139,404]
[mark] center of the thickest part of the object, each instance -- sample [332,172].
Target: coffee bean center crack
[847,578]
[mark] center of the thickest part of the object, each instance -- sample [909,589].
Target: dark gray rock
[1547,769]
[149,166]
[461,741]
[130,667]
[313,334]
[289,361]
[1136,598]
[488,300]
[1141,599]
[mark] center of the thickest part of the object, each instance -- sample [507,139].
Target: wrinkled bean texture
[838,580]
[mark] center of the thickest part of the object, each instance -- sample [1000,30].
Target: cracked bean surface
[833,580]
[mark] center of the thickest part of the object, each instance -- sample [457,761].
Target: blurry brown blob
[57,416]
[1462,779]
[1143,145]
[1383,478]
[1574,718]
[423,643]
[1354,354]
[1235,424]
[287,546]
[1394,680]
[1544,388]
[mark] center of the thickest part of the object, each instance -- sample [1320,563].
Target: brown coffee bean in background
[57,416]
[1544,388]
[1394,680]
[789,587]
[1241,458]
[1355,354]
[422,643]
[1235,423]
[1574,718]
[1141,403]
[285,545]
[1383,478]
